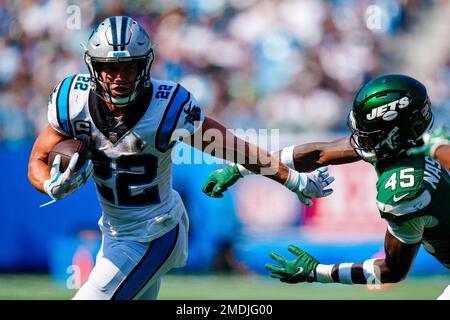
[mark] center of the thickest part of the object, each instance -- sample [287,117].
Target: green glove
[301,269]
[432,140]
[218,181]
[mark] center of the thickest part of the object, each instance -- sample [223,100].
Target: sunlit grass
[222,287]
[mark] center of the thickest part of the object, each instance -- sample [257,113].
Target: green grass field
[221,287]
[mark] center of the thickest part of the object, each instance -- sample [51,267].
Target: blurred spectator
[293,65]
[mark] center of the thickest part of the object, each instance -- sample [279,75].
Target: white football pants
[126,270]
[445,295]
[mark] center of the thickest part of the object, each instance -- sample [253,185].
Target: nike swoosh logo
[300,270]
[400,198]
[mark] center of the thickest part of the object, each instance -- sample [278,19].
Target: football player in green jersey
[390,123]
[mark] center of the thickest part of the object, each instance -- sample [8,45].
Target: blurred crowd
[290,64]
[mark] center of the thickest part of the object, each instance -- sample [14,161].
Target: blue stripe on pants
[156,255]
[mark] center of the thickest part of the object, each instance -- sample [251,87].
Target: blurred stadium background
[292,65]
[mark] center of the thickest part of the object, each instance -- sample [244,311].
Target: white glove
[309,185]
[60,184]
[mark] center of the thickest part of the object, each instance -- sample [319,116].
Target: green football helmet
[390,114]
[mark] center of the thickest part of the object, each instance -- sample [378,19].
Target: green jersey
[413,187]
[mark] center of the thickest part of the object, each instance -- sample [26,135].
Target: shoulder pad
[402,191]
[163,89]
[61,102]
[179,97]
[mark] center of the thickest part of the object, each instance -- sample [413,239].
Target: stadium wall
[246,221]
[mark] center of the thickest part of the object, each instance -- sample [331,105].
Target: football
[66,149]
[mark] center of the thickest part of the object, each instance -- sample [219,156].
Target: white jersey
[132,157]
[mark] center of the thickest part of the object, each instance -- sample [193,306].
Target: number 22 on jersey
[132,176]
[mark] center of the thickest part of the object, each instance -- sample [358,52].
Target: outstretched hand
[310,185]
[218,181]
[300,269]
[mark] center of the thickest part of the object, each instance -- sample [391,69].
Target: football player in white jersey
[131,122]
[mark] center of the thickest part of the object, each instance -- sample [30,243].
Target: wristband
[287,156]
[345,273]
[243,170]
[323,273]
[369,272]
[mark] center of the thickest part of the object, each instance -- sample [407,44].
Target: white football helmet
[119,39]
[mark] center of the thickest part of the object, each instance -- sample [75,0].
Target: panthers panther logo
[193,113]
